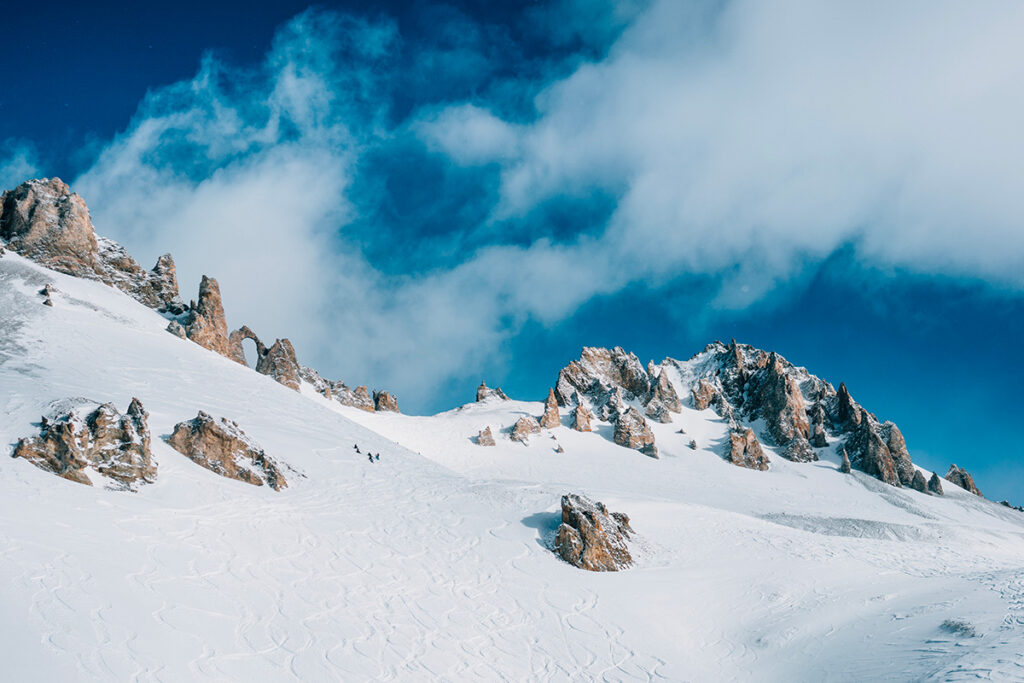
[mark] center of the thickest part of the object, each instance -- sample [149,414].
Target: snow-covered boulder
[592,538]
[745,450]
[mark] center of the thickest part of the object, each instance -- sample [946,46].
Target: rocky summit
[79,438]
[960,477]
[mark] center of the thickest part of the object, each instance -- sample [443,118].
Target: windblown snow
[433,562]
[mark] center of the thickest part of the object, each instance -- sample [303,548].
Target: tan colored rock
[848,412]
[358,397]
[665,394]
[485,437]
[207,326]
[384,401]
[960,477]
[550,419]
[703,394]
[581,418]
[632,431]
[175,328]
[745,450]
[592,538]
[599,370]
[524,427]
[483,392]
[44,221]
[657,411]
[222,447]
[775,397]
[279,362]
[845,466]
[79,434]
[894,441]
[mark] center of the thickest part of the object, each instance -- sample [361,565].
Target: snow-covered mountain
[268,524]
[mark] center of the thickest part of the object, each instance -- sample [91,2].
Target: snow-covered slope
[431,563]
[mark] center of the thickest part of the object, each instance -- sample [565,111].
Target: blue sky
[425,195]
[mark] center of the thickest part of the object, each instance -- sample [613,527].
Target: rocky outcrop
[483,392]
[485,437]
[935,484]
[845,466]
[80,437]
[918,482]
[279,363]
[632,431]
[894,441]
[550,419]
[598,371]
[745,450]
[357,398]
[384,401]
[592,538]
[870,452]
[819,437]
[207,326]
[581,417]
[960,477]
[847,412]
[663,392]
[523,428]
[44,221]
[222,447]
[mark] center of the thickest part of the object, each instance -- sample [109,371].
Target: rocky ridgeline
[798,413]
[44,221]
[484,392]
[592,538]
[222,447]
[79,438]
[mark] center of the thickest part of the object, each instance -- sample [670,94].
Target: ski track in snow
[432,564]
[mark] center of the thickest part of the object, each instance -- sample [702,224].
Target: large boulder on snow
[632,431]
[745,450]
[550,419]
[46,222]
[935,484]
[592,538]
[79,438]
[222,447]
[581,417]
[485,437]
[523,428]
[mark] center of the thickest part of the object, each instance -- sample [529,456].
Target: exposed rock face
[382,400]
[632,431]
[845,467]
[592,538]
[960,477]
[819,438]
[745,450]
[357,398]
[871,454]
[550,419]
[898,450]
[524,427]
[44,221]
[206,325]
[78,435]
[175,328]
[658,412]
[664,393]
[847,412]
[935,484]
[485,437]
[279,362]
[222,447]
[775,396]
[918,482]
[483,392]
[598,371]
[581,417]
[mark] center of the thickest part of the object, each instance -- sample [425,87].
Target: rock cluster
[222,447]
[745,450]
[485,437]
[581,417]
[44,221]
[79,437]
[383,400]
[592,538]
[523,428]
[483,392]
[550,419]
[960,477]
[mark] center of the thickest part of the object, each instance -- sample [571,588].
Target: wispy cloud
[742,143]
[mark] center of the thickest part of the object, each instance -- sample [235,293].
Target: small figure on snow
[377,457]
[370,456]
[357,448]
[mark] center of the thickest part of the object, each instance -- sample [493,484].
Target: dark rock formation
[79,434]
[848,413]
[898,450]
[483,392]
[385,401]
[485,437]
[550,419]
[774,395]
[632,431]
[664,393]
[222,447]
[960,477]
[819,438]
[592,538]
[581,418]
[524,427]
[745,450]
[44,221]
[935,484]
[918,482]
[870,452]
